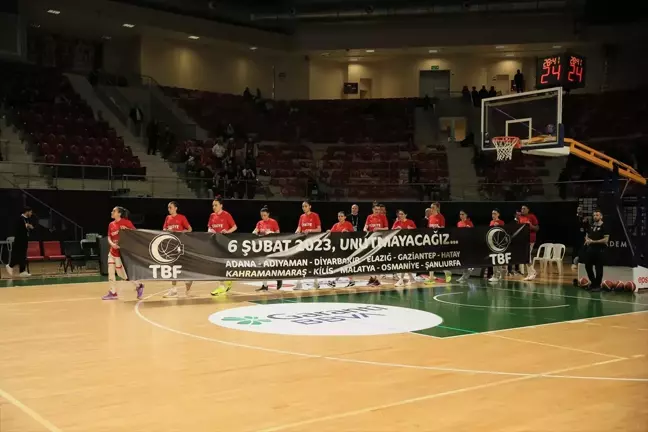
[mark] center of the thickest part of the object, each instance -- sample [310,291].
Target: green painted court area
[479,307]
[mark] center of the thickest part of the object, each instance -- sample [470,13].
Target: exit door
[434,83]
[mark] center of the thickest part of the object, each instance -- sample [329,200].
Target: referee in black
[596,241]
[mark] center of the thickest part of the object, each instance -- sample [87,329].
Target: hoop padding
[504,146]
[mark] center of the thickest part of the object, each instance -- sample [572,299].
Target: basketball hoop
[504,146]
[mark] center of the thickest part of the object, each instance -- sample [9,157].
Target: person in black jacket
[596,242]
[19,249]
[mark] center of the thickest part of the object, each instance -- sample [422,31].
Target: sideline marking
[30,412]
[436,297]
[424,398]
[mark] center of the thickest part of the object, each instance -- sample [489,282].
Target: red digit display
[551,70]
[563,70]
[575,74]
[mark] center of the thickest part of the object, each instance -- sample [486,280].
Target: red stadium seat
[34,251]
[52,251]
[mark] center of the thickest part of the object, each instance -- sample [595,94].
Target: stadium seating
[317,121]
[59,127]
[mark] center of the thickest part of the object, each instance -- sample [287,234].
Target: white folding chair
[543,255]
[557,255]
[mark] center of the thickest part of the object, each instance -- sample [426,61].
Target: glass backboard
[535,117]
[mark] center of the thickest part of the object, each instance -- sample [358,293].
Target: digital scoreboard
[564,70]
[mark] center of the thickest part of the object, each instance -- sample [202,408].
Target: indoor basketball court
[539,355]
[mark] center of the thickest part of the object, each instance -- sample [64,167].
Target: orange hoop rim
[511,140]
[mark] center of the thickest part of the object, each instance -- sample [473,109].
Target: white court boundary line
[436,297]
[567,296]
[423,398]
[30,412]
[366,362]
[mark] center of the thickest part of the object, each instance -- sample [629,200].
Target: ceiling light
[433,51]
[106,37]
[353,59]
[128,25]
[254,48]
[500,47]
[370,50]
[192,37]
[557,46]
[509,55]
[326,54]
[34,25]
[53,11]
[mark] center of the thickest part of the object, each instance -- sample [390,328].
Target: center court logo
[325,319]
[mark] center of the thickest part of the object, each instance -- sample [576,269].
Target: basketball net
[504,146]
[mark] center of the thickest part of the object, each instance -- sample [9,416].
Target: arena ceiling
[286,15]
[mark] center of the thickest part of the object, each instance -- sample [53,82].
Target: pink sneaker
[140,290]
[110,296]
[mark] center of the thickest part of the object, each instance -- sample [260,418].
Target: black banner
[205,256]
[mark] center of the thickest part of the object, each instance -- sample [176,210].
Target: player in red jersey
[176,222]
[266,226]
[309,222]
[375,222]
[526,217]
[342,225]
[221,222]
[464,222]
[403,223]
[436,220]
[115,266]
[497,272]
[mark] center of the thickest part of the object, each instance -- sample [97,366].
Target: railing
[55,222]
[39,175]
[156,107]
[170,187]
[473,192]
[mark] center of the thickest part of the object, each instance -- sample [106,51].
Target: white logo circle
[166,249]
[325,319]
[497,239]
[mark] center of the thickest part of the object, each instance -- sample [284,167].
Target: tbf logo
[498,241]
[166,249]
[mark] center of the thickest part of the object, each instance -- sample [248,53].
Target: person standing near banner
[464,222]
[266,226]
[175,222]
[354,217]
[403,223]
[526,217]
[342,225]
[221,222]
[309,222]
[596,241]
[115,265]
[437,220]
[375,222]
[497,272]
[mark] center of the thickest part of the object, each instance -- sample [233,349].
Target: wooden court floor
[540,356]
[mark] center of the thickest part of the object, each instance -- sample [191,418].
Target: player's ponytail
[123,212]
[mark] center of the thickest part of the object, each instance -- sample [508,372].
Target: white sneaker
[530,277]
[172,293]
[400,283]
[494,279]
[25,274]
[316,285]
[9,270]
